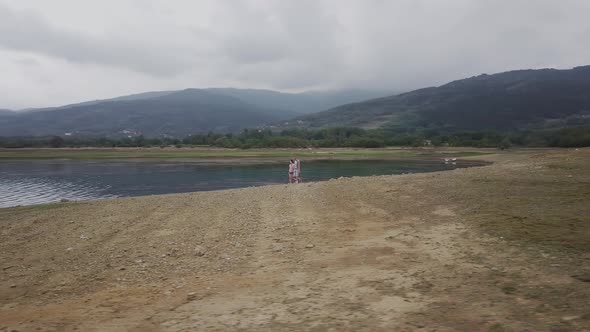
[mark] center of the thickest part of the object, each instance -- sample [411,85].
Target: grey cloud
[26,61]
[291,44]
[255,49]
[27,31]
[287,45]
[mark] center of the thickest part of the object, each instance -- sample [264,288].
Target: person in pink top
[291,171]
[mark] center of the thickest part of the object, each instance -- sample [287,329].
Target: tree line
[329,137]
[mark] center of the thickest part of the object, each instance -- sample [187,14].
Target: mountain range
[522,99]
[174,113]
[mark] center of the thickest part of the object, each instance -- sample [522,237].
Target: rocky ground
[504,247]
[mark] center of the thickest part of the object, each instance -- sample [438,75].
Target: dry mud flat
[504,247]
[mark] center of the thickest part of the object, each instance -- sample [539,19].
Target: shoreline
[464,163]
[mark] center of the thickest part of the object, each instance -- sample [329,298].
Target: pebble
[582,277]
[200,251]
[309,246]
[569,318]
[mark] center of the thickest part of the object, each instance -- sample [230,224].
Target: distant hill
[301,103]
[137,96]
[172,113]
[511,100]
[289,104]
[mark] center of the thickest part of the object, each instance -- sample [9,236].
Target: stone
[309,246]
[585,277]
[569,318]
[200,251]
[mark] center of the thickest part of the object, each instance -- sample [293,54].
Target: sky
[64,51]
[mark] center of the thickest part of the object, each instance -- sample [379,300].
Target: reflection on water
[26,183]
[27,191]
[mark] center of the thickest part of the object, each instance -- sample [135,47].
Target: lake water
[27,183]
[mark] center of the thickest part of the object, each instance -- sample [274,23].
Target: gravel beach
[504,247]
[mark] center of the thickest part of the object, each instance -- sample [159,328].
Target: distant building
[130,133]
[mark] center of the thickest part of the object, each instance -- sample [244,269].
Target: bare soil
[504,247]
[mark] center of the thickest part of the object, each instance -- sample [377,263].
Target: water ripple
[27,183]
[29,191]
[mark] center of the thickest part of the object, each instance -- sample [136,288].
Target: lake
[38,182]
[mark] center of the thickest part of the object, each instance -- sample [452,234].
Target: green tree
[56,142]
[504,144]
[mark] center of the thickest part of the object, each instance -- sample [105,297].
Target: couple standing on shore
[294,171]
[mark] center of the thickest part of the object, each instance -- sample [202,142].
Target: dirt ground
[504,247]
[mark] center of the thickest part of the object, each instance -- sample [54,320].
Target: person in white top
[297,170]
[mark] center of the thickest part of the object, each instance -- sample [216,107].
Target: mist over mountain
[511,100]
[304,102]
[173,113]
[521,99]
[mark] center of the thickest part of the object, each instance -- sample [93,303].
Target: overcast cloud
[63,51]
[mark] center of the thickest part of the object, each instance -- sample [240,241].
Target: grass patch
[30,208]
[548,206]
